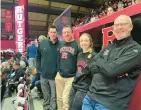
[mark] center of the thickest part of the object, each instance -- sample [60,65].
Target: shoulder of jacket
[44,41]
[80,53]
[76,44]
[61,41]
[76,41]
[133,45]
[94,53]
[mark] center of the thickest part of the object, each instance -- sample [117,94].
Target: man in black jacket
[46,62]
[115,70]
[13,82]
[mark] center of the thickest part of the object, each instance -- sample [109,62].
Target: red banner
[20,29]
[8,26]
[8,20]
[8,15]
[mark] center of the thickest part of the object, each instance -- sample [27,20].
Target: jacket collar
[122,41]
[52,43]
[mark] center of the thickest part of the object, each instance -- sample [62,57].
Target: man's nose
[66,33]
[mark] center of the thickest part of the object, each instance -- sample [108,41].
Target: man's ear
[131,27]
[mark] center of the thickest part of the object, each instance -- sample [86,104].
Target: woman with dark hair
[110,10]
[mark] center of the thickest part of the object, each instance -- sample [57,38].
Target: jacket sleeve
[93,66]
[38,60]
[126,62]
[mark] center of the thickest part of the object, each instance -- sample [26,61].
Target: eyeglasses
[120,24]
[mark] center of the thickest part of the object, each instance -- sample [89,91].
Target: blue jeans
[38,85]
[90,104]
[35,78]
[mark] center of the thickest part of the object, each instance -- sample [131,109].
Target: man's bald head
[125,18]
[122,27]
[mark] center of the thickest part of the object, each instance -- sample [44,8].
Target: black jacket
[68,59]
[83,78]
[46,59]
[19,73]
[120,57]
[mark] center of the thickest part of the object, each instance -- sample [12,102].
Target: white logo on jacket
[135,50]
[106,52]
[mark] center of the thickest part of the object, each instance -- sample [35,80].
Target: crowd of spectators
[103,10]
[14,65]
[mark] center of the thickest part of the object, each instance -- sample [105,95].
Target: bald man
[115,70]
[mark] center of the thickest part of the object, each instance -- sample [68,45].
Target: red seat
[26,107]
[25,92]
[135,103]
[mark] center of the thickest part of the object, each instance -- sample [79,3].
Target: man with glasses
[115,70]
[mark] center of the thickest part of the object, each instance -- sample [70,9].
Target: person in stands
[31,53]
[18,73]
[110,10]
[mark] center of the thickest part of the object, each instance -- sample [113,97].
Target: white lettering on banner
[20,38]
[19,9]
[20,44]
[19,17]
[20,28]
[19,23]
